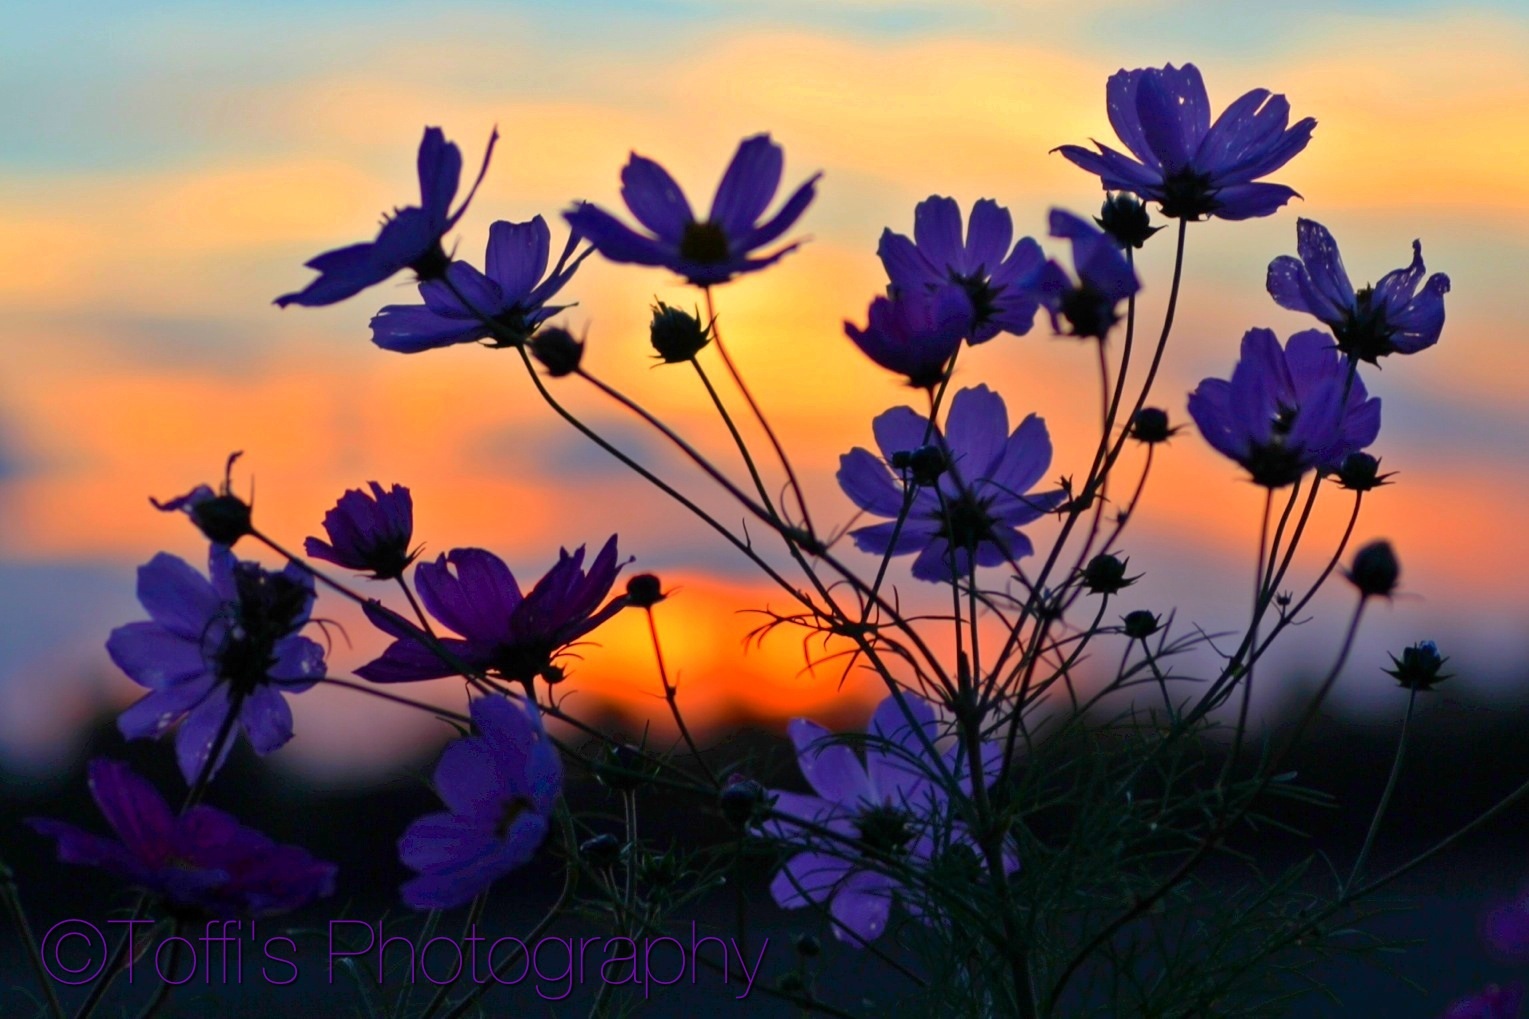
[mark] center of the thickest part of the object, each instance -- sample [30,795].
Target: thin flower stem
[1141,904]
[372,691]
[743,447]
[424,620]
[109,972]
[474,913]
[162,992]
[1264,554]
[1385,797]
[10,896]
[936,399]
[1037,590]
[670,695]
[534,934]
[780,452]
[1291,613]
[768,515]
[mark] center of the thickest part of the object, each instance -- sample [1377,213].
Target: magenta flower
[1287,410]
[1194,168]
[1104,279]
[369,532]
[409,239]
[212,647]
[977,503]
[1392,317]
[502,631]
[707,251]
[998,281]
[511,292]
[895,807]
[916,332]
[499,787]
[203,860]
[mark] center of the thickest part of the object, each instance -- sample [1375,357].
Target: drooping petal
[808,878]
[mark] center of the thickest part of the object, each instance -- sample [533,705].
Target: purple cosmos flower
[499,787]
[1493,1002]
[1105,279]
[1285,411]
[915,332]
[212,647]
[409,239]
[979,499]
[369,532]
[1392,317]
[999,282]
[1192,167]
[707,251]
[513,635]
[512,293]
[203,860]
[895,806]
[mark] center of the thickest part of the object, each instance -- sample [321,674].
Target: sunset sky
[168,167]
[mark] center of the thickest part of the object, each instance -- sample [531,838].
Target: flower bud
[741,800]
[644,591]
[1361,472]
[623,767]
[222,516]
[1150,425]
[1419,666]
[557,350]
[1126,221]
[677,335]
[808,947]
[927,463]
[1140,625]
[1375,570]
[1106,574]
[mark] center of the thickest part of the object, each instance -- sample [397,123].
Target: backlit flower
[915,332]
[499,786]
[1104,279]
[1286,411]
[895,807]
[997,280]
[202,861]
[502,631]
[1392,317]
[368,532]
[974,506]
[511,292]
[409,239]
[228,644]
[1191,167]
[707,251]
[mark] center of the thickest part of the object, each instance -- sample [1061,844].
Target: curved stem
[1385,797]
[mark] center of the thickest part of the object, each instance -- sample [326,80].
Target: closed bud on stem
[677,335]
[1375,570]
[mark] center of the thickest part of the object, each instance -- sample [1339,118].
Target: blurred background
[169,166]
